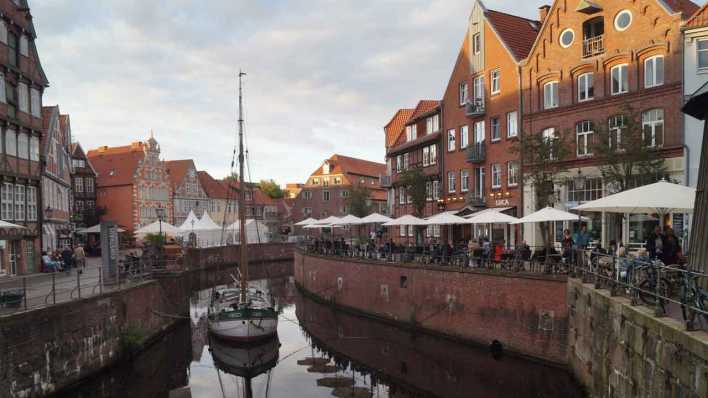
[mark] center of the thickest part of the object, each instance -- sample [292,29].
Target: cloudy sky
[324,76]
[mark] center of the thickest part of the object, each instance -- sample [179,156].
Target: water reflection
[321,352]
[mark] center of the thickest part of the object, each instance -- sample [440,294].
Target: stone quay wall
[528,314]
[618,350]
[231,255]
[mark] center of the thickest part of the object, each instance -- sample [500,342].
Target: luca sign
[501,202]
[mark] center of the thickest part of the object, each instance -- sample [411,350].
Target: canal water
[321,352]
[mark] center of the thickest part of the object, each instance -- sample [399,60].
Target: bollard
[24,291]
[78,282]
[658,306]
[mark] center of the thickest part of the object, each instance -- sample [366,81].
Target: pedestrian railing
[647,282]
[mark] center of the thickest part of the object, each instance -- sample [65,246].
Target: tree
[542,157]
[627,153]
[271,188]
[416,187]
[359,201]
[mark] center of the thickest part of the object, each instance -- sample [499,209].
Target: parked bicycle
[694,299]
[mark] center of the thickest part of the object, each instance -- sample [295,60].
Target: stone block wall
[528,314]
[619,351]
[230,255]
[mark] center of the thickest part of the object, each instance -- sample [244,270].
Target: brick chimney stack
[543,12]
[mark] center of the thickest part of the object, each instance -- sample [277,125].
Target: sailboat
[248,361]
[246,313]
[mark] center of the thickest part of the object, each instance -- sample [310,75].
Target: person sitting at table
[49,264]
[567,244]
[472,246]
[524,251]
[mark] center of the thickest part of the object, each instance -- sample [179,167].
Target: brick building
[222,204]
[481,118]
[187,192]
[83,183]
[326,191]
[413,138]
[132,182]
[57,230]
[589,61]
[22,84]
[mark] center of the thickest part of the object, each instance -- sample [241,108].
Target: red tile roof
[685,7]
[117,165]
[517,33]
[213,188]
[423,108]
[396,125]
[340,164]
[177,169]
[699,18]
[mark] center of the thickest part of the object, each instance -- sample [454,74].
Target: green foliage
[132,339]
[628,159]
[416,186]
[155,239]
[359,201]
[271,188]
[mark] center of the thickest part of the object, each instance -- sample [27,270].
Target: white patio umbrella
[328,220]
[492,217]
[154,228]
[348,220]
[305,222]
[547,214]
[446,218]
[405,220]
[375,218]
[661,198]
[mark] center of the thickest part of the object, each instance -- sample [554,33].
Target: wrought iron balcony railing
[474,107]
[476,153]
[593,46]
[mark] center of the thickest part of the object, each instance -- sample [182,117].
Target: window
[464,181]
[11,99]
[34,148]
[10,142]
[12,45]
[411,133]
[451,140]
[478,89]
[619,79]
[496,176]
[325,195]
[19,202]
[31,203]
[401,195]
[496,129]
[24,45]
[622,20]
[23,146]
[566,38]
[476,43]
[432,124]
[550,95]
[3,97]
[464,136]
[307,195]
[654,71]
[585,87]
[549,136]
[512,174]
[433,154]
[406,157]
[23,97]
[79,184]
[479,132]
[79,207]
[436,190]
[591,190]
[337,180]
[399,163]
[584,133]
[426,156]
[3,32]
[702,53]
[617,123]
[463,93]
[325,181]
[496,81]
[653,127]
[403,229]
[512,129]
[6,200]
[345,194]
[307,211]
[451,182]
[78,163]
[315,181]
[428,191]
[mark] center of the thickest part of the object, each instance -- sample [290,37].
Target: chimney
[543,12]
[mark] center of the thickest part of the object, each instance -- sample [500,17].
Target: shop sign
[502,203]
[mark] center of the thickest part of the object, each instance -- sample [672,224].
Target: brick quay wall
[48,349]
[527,314]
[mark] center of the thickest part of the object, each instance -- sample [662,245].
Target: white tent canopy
[256,232]
[446,218]
[375,218]
[406,220]
[547,214]
[96,229]
[206,223]
[305,222]
[661,197]
[348,220]
[492,217]
[329,220]
[189,222]
[154,228]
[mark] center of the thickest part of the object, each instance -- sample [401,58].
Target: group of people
[64,260]
[664,246]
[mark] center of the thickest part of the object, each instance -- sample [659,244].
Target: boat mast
[242,196]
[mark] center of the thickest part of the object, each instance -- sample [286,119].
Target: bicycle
[647,287]
[694,299]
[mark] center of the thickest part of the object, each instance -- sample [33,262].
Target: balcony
[474,199]
[593,46]
[385,181]
[476,153]
[474,107]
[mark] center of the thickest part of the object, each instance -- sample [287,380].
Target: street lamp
[160,212]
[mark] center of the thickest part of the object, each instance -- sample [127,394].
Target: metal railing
[647,282]
[474,107]
[593,46]
[476,152]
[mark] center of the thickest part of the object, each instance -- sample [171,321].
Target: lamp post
[579,185]
[160,212]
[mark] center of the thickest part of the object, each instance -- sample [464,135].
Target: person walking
[80,258]
[655,243]
[671,247]
[567,245]
[67,256]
